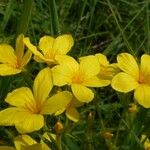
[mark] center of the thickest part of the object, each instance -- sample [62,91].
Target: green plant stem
[58,142]
[54,22]
[25,17]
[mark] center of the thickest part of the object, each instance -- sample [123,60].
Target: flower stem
[54,23]
[25,17]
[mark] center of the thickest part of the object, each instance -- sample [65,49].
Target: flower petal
[23,140]
[76,103]
[7,54]
[46,44]
[26,58]
[42,85]
[20,97]
[123,82]
[72,114]
[96,82]
[57,102]
[89,66]
[11,116]
[61,75]
[7,148]
[145,67]
[20,46]
[102,59]
[30,123]
[6,70]
[63,44]
[82,93]
[142,95]
[33,147]
[128,64]
[32,48]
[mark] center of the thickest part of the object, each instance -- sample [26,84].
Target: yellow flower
[107,71]
[50,47]
[78,76]
[27,115]
[25,142]
[13,62]
[134,77]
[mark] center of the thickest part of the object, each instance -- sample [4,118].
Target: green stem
[55,30]
[25,17]
[58,142]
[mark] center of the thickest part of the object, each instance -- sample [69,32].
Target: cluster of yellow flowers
[27,106]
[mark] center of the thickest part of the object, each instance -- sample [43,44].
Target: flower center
[34,108]
[77,78]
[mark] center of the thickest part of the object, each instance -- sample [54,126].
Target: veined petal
[61,75]
[26,58]
[96,82]
[142,95]
[82,93]
[145,68]
[89,66]
[63,44]
[20,97]
[57,102]
[6,69]
[46,45]
[30,123]
[72,114]
[42,85]
[7,54]
[20,46]
[32,48]
[7,148]
[102,59]
[23,140]
[128,64]
[11,116]
[124,82]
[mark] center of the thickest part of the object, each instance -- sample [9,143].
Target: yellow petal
[82,93]
[61,75]
[123,82]
[96,82]
[89,66]
[6,70]
[7,54]
[20,46]
[6,148]
[76,103]
[32,48]
[42,85]
[128,64]
[69,61]
[11,116]
[63,44]
[102,59]
[30,123]
[72,114]
[57,102]
[26,58]
[46,45]
[20,97]
[142,95]
[32,147]
[23,140]
[145,68]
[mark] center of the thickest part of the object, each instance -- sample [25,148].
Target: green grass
[98,26]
